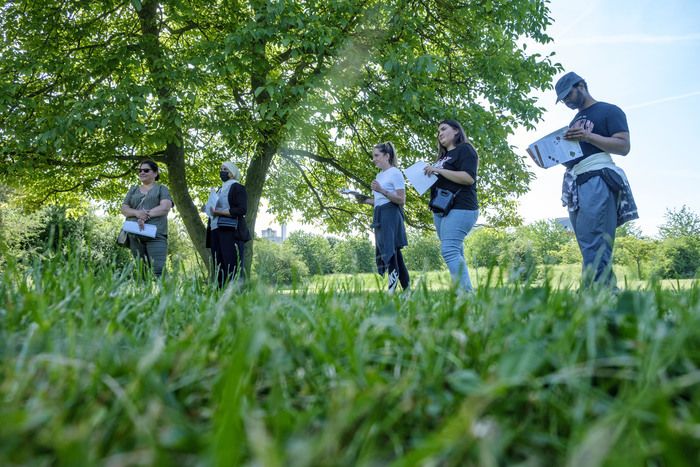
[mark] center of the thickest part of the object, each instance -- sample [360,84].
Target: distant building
[271,234]
[565,222]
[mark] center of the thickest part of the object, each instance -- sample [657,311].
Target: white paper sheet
[553,149]
[211,203]
[149,230]
[417,177]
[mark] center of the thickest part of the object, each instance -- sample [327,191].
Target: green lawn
[99,369]
[566,276]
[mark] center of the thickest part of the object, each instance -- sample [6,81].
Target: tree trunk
[175,160]
[254,183]
[174,153]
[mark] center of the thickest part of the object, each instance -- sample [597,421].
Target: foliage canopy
[295,92]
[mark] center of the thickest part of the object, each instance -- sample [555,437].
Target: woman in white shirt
[389,190]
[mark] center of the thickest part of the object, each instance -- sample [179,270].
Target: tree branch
[287,152]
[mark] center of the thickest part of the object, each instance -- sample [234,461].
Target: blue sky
[643,56]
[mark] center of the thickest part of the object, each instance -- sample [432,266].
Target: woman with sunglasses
[389,190]
[227,230]
[149,203]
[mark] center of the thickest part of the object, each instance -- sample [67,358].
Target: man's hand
[577,134]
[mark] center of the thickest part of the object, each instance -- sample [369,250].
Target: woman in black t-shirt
[456,168]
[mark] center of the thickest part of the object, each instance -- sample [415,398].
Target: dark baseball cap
[565,83]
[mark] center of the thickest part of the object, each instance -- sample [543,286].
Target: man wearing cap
[595,191]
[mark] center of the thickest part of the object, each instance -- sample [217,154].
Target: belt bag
[225,221]
[443,201]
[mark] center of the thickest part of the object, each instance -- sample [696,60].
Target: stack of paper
[553,149]
[149,230]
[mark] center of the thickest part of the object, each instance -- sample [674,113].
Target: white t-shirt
[391,180]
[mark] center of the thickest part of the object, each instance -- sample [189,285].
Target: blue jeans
[594,224]
[452,229]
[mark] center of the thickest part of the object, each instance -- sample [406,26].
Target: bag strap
[131,192]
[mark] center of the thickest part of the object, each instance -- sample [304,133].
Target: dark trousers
[151,250]
[228,255]
[397,271]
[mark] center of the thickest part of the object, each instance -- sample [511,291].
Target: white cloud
[648,39]
[663,100]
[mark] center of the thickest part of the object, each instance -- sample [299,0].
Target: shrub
[423,253]
[314,250]
[354,255]
[547,237]
[678,258]
[485,246]
[634,253]
[521,260]
[277,264]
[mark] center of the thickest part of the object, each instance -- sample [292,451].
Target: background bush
[485,246]
[278,263]
[314,250]
[353,255]
[678,258]
[423,252]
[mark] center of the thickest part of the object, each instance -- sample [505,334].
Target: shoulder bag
[123,236]
[442,202]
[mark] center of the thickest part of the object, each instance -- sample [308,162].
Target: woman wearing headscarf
[149,203]
[227,231]
[388,220]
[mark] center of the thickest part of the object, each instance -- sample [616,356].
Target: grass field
[563,277]
[99,368]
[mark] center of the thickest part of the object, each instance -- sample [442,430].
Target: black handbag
[443,201]
[225,221]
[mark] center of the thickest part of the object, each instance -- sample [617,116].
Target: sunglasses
[145,170]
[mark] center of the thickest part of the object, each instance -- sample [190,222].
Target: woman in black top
[227,230]
[456,168]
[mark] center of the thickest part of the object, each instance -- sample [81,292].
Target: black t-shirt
[463,158]
[602,119]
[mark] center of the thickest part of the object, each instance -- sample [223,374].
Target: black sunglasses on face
[145,170]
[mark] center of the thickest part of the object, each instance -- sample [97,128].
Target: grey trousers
[152,250]
[594,224]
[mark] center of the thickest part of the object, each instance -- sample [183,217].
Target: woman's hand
[376,186]
[142,215]
[430,170]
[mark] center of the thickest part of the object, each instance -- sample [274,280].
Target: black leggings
[397,272]
[228,255]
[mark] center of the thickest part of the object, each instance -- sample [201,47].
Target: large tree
[296,92]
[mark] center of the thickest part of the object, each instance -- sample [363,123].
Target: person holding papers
[149,203]
[456,167]
[595,190]
[389,190]
[227,230]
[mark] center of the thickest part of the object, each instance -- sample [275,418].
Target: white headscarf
[233,170]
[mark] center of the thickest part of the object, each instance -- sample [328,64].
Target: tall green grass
[100,367]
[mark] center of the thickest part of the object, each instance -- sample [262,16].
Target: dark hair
[387,148]
[461,136]
[152,165]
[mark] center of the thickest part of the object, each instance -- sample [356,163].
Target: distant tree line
[520,250]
